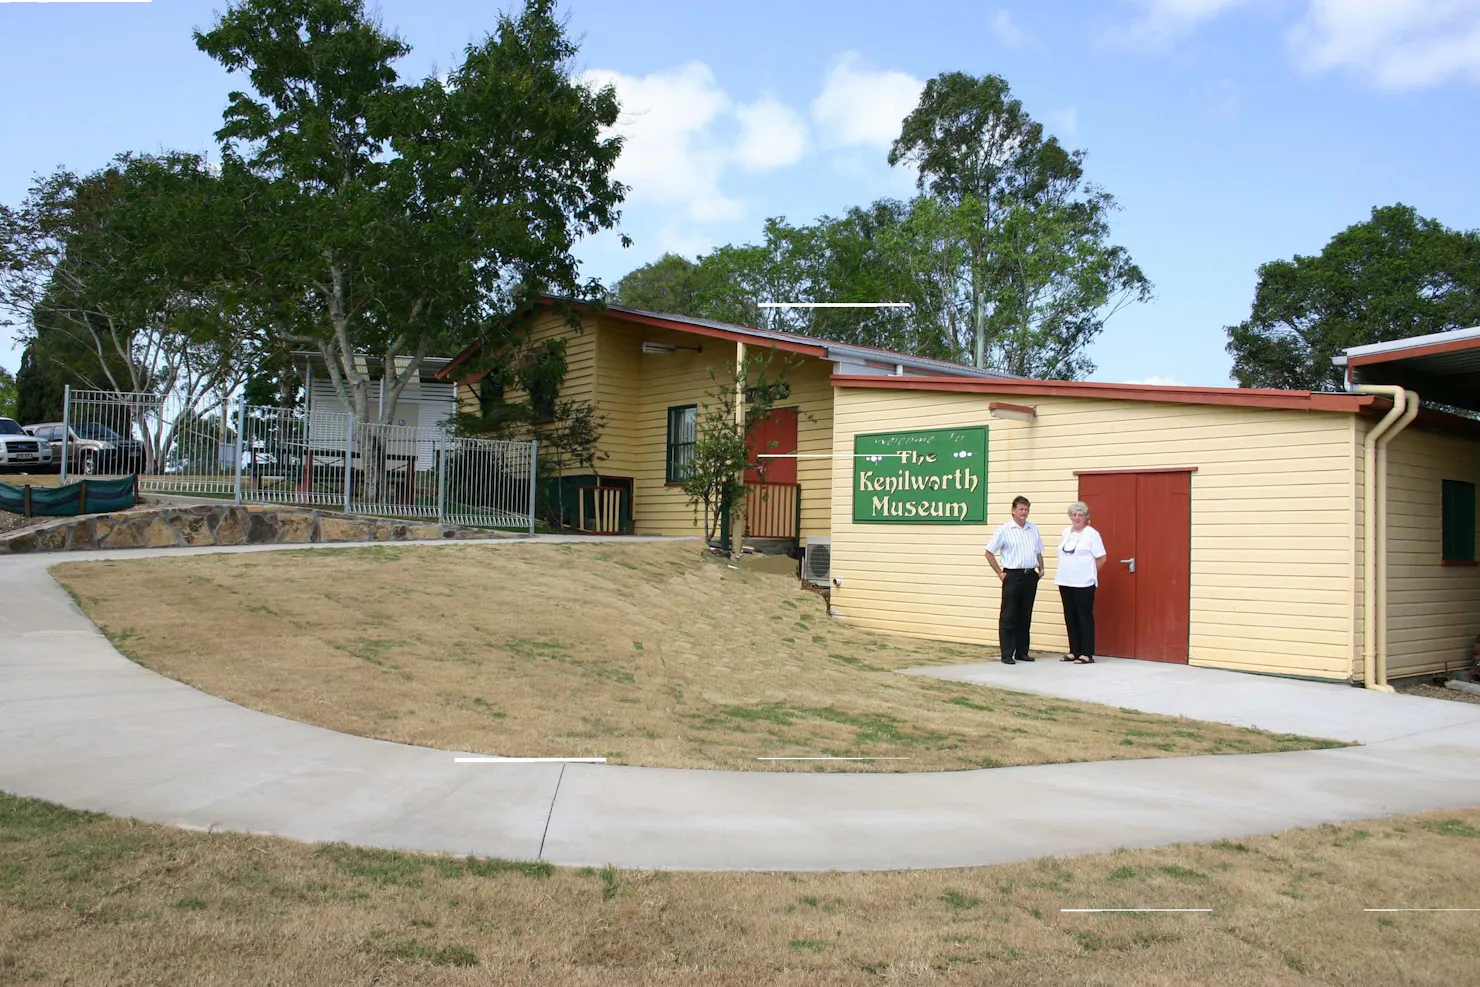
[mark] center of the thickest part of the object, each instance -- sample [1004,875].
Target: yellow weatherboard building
[1237,520]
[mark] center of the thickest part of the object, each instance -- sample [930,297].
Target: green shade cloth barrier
[68,500]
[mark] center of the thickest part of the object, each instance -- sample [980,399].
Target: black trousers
[1079,618]
[1019,590]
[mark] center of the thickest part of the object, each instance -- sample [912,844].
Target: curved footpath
[85,727]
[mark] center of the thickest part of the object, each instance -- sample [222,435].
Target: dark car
[92,448]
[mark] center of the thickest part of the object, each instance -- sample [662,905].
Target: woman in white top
[1081,553]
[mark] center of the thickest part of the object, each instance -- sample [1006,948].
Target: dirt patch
[643,653]
[88,899]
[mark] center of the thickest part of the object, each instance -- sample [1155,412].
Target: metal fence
[264,454]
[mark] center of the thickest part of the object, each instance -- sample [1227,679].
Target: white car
[22,452]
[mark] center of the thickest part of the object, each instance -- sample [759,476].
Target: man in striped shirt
[1021,548]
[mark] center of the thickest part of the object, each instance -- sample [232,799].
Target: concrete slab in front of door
[1334,711]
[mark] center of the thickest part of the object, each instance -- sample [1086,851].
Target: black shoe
[1026,658]
[1008,661]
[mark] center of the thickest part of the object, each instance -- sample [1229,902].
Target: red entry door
[1142,608]
[774,434]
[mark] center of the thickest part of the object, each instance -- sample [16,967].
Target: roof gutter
[1374,528]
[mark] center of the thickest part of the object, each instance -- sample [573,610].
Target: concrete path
[83,726]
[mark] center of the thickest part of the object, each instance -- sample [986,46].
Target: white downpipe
[1409,413]
[1374,531]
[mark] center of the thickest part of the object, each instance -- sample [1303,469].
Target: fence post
[441,481]
[66,428]
[533,471]
[241,427]
[349,459]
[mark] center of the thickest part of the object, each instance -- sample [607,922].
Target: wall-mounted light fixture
[661,348]
[1014,412]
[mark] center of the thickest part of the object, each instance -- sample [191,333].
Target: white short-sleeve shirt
[1077,554]
[1017,546]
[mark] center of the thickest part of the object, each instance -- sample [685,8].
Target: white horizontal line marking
[1421,909]
[529,759]
[1081,911]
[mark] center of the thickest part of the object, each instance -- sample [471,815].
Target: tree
[715,474]
[868,254]
[668,284]
[1037,275]
[8,395]
[1394,276]
[117,281]
[391,219]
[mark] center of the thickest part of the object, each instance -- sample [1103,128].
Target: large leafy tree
[396,220]
[119,281]
[1037,275]
[1394,276]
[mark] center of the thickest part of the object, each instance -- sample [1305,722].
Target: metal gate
[270,455]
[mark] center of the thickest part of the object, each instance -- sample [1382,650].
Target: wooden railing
[605,517]
[772,510]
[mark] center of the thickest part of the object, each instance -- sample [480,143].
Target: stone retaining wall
[169,527]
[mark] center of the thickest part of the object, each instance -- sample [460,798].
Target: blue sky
[1232,132]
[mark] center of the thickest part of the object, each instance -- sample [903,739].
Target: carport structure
[1442,368]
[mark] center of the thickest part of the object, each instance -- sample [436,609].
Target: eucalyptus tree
[1037,276]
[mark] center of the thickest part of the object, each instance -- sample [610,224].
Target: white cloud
[678,143]
[1399,44]
[1164,21]
[860,107]
[1006,30]
[670,157]
[1159,381]
[1395,44]
[772,135]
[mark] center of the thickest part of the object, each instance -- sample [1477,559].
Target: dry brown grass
[87,899]
[645,653]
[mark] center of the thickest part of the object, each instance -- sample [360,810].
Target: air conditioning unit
[817,562]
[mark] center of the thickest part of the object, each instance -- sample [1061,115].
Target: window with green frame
[1459,521]
[683,431]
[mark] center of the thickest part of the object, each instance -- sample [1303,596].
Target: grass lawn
[644,653]
[89,899]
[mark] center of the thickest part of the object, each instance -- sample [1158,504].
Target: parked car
[20,451]
[92,448]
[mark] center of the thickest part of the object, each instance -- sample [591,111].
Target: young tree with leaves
[1394,276]
[714,477]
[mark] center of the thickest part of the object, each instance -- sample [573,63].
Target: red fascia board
[1432,349]
[1239,397]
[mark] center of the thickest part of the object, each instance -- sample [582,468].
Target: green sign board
[934,477]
